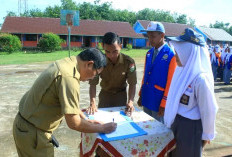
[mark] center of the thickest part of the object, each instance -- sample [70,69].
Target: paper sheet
[126,128]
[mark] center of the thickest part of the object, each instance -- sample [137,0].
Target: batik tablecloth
[157,142]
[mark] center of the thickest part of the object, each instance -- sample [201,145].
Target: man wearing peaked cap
[191,105]
[160,65]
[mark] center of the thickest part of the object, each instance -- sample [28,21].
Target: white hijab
[224,53]
[228,55]
[217,50]
[195,60]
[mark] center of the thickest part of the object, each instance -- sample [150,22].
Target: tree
[191,22]
[50,42]
[104,11]
[33,13]
[145,14]
[9,43]
[222,25]
[182,19]
[10,13]
[230,30]
[52,11]
[68,5]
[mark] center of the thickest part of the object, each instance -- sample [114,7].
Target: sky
[204,12]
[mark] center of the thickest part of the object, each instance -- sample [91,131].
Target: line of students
[221,62]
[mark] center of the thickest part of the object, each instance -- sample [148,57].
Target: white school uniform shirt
[194,79]
[199,106]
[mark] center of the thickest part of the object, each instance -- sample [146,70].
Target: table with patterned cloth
[158,141]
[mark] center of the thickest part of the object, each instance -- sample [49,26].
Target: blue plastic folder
[137,131]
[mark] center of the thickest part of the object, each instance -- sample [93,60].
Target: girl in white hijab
[216,60]
[191,105]
[228,63]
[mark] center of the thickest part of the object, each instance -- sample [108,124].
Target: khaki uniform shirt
[114,77]
[53,94]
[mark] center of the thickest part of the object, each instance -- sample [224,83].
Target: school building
[215,36]
[88,34]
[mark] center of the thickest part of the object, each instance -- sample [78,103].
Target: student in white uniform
[191,105]
[216,61]
[228,64]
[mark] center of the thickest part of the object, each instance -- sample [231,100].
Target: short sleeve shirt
[54,94]
[115,76]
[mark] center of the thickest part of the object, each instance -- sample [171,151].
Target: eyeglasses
[97,74]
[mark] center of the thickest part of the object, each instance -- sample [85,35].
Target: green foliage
[99,46]
[222,25]
[128,46]
[68,5]
[10,13]
[155,15]
[230,30]
[52,11]
[104,11]
[50,42]
[9,43]
[182,19]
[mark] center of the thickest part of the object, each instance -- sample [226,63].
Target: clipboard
[125,129]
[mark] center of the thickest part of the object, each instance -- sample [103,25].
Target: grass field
[24,57]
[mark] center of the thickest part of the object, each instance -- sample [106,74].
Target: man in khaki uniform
[54,95]
[119,71]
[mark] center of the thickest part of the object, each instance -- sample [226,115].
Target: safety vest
[155,77]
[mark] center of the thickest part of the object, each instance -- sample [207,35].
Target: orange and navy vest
[155,77]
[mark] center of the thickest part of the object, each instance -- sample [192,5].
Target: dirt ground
[15,80]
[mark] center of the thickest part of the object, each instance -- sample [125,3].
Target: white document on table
[126,128]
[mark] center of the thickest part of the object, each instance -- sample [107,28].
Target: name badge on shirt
[165,57]
[184,99]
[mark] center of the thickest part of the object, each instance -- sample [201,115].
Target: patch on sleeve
[132,67]
[184,99]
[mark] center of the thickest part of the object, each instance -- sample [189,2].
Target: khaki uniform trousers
[30,141]
[107,99]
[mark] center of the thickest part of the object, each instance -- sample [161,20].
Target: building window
[75,38]
[64,37]
[31,37]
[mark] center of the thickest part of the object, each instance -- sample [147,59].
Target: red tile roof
[171,29]
[37,25]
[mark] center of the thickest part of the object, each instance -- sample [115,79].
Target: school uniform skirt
[227,75]
[188,136]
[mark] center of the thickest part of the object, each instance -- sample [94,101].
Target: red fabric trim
[107,145]
[110,148]
[168,147]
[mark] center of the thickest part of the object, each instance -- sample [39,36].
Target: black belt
[32,123]
[115,92]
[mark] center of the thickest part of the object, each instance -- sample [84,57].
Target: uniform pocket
[43,140]
[159,88]
[187,99]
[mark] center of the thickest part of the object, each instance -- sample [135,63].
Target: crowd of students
[221,61]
